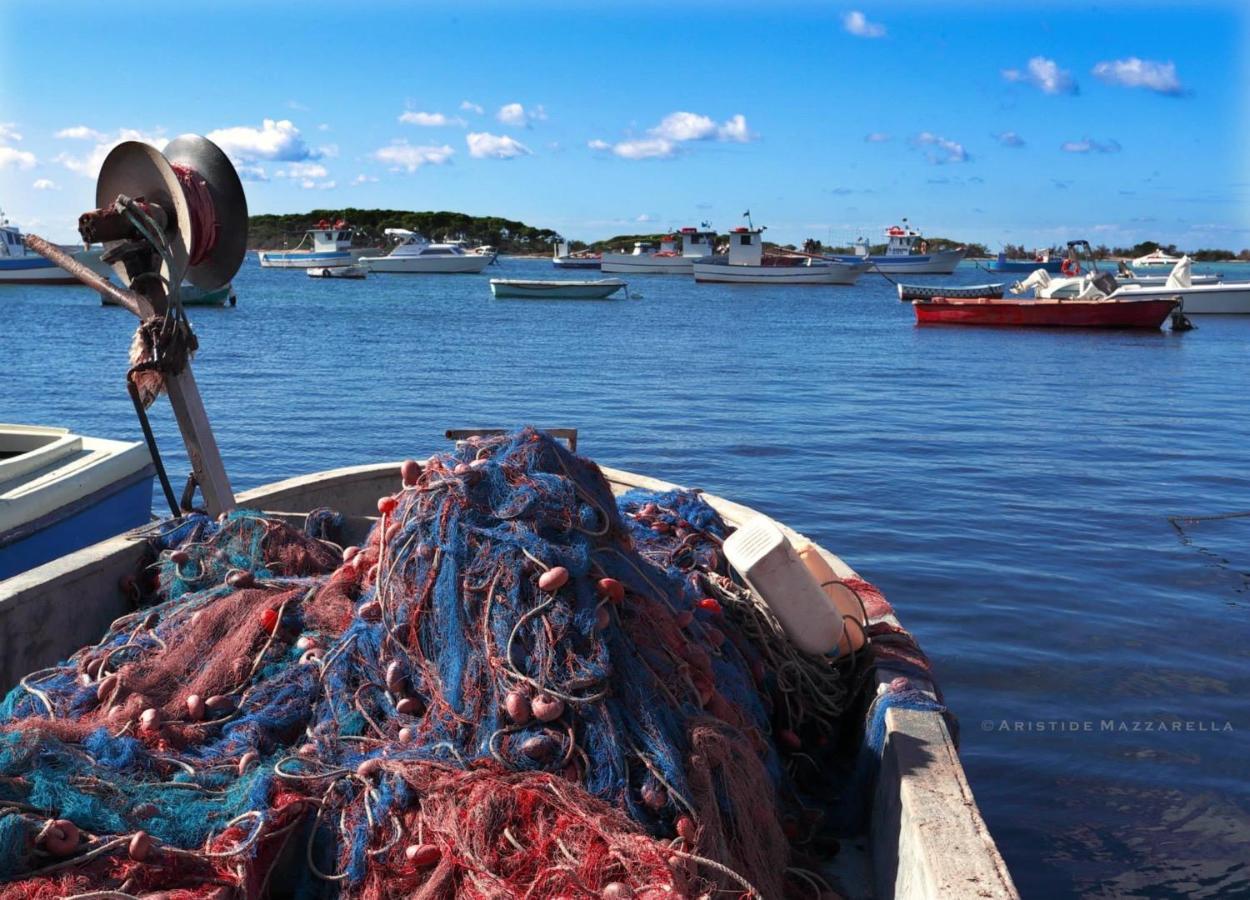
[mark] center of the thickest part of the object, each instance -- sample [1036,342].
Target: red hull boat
[1145,313]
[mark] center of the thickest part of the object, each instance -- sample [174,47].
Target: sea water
[1012,491]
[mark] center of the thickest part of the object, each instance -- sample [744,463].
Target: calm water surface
[1009,490]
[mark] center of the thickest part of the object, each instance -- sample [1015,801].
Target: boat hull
[723,273]
[572,262]
[645,264]
[1228,299]
[925,838]
[1044,313]
[469,264]
[303,259]
[600,289]
[1052,267]
[345,272]
[910,292]
[944,262]
[34,269]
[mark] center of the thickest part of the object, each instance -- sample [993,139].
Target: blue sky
[1000,122]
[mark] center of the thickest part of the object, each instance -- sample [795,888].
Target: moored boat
[1097,313]
[516,288]
[190,295]
[330,245]
[1155,258]
[414,255]
[561,258]
[676,254]
[1048,259]
[910,292]
[747,264]
[61,491]
[349,272]
[20,266]
[906,253]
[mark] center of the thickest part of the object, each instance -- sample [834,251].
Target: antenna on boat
[166,217]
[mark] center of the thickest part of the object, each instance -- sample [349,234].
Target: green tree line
[272,231]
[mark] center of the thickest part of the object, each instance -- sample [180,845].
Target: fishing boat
[1125,275]
[1098,313]
[677,253]
[1048,259]
[918,833]
[414,255]
[329,244]
[350,272]
[906,253]
[747,264]
[20,266]
[61,491]
[515,288]
[561,258]
[190,295]
[910,292]
[1155,258]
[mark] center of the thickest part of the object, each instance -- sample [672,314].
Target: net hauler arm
[166,217]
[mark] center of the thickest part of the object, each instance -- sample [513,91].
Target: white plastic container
[769,564]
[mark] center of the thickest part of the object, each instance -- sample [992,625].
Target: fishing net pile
[517,686]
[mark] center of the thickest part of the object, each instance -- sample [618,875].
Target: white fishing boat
[676,254]
[1089,283]
[596,289]
[329,244]
[20,266]
[561,258]
[61,491]
[1127,276]
[1155,257]
[350,272]
[747,264]
[414,255]
[906,253]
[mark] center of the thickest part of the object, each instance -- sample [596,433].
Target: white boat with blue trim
[20,266]
[60,492]
[330,244]
[906,253]
[747,264]
[676,255]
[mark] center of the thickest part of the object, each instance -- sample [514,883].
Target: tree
[811,245]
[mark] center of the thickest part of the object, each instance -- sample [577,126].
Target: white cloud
[1045,75]
[516,114]
[296,105]
[598,144]
[323,127]
[877,137]
[82,133]
[494,146]
[302,170]
[308,184]
[45,184]
[8,133]
[430,120]
[735,129]
[647,148]
[856,23]
[89,165]
[644,217]
[12,158]
[1009,139]
[470,106]
[1088,145]
[249,172]
[1144,73]
[276,140]
[364,179]
[953,151]
[402,156]
[684,126]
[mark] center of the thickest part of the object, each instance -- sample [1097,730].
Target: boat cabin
[746,246]
[412,243]
[900,240]
[328,237]
[10,239]
[697,243]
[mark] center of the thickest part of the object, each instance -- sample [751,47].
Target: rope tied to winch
[162,346]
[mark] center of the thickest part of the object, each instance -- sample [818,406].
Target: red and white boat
[1101,313]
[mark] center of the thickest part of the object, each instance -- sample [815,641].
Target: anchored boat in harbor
[20,266]
[414,255]
[676,254]
[906,253]
[330,244]
[748,264]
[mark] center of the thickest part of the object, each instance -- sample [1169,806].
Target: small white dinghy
[596,289]
[336,272]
